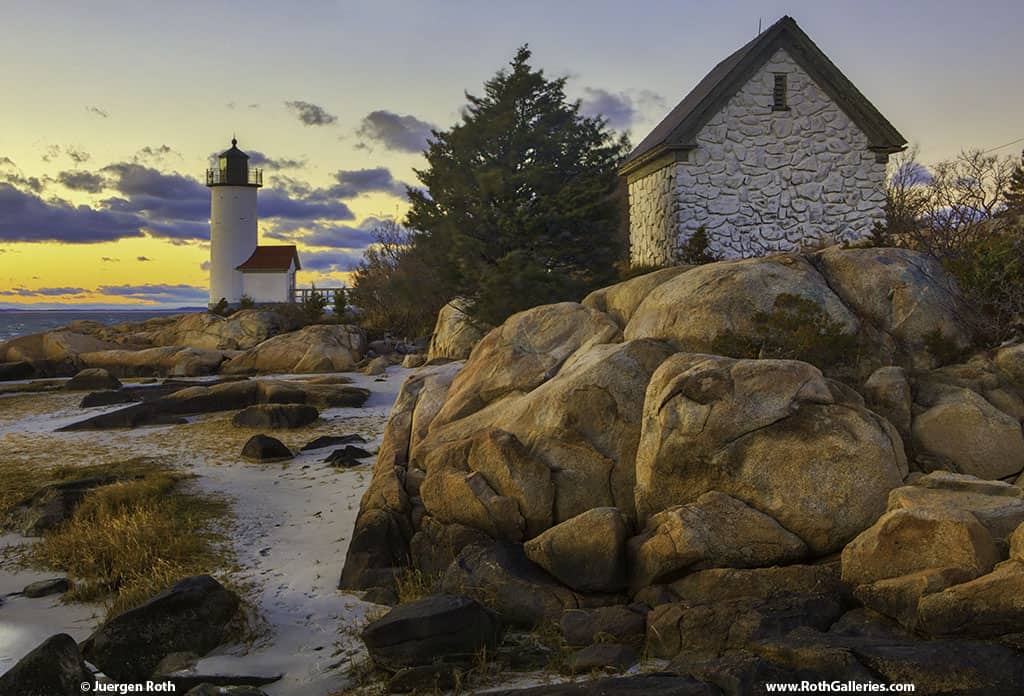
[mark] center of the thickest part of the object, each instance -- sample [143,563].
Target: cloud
[157,293]
[82,181]
[7,162]
[170,205]
[32,183]
[25,217]
[311,114]
[622,110]
[331,261]
[230,105]
[48,292]
[143,258]
[52,152]
[77,156]
[343,236]
[254,106]
[260,159]
[109,259]
[155,153]
[320,204]
[354,182]
[394,131]
[135,179]
[97,111]
[204,266]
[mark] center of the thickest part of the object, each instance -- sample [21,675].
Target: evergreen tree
[519,208]
[1015,192]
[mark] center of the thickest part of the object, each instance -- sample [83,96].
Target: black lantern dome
[233,170]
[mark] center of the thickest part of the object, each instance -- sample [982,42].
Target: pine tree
[1015,193]
[518,207]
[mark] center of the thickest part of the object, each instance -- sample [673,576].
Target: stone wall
[763,181]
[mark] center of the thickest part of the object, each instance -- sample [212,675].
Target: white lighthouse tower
[233,232]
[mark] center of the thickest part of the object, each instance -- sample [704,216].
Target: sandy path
[293,524]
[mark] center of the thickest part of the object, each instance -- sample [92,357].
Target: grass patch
[128,540]
[412,584]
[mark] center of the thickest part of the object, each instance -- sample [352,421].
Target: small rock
[414,360]
[331,440]
[54,668]
[92,379]
[617,657]
[263,448]
[47,587]
[347,457]
[275,416]
[377,366]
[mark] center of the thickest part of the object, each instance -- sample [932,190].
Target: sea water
[21,322]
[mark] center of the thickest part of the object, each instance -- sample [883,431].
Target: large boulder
[92,379]
[54,668]
[696,307]
[148,362]
[455,332]
[191,616]
[502,578]
[906,541]
[316,348]
[1010,363]
[986,607]
[585,626]
[716,530]
[275,416]
[905,293]
[583,423]
[997,505]
[445,628]
[770,434]
[717,584]
[962,430]
[888,394]
[586,552]
[242,330]
[523,353]
[620,301]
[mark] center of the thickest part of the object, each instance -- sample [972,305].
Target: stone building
[775,148]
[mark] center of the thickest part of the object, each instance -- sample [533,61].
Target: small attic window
[779,102]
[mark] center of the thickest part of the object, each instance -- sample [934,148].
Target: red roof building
[272,258]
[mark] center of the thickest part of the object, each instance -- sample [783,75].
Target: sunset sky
[111,110]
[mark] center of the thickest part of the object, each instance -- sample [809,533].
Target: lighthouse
[233,234]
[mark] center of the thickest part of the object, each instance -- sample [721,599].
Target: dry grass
[412,584]
[129,540]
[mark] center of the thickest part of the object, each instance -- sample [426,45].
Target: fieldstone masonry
[763,181]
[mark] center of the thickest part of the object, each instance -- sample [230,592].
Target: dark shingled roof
[678,130]
[234,152]
[271,258]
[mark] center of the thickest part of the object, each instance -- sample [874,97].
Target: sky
[110,111]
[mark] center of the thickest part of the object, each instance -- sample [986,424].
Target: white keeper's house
[773,149]
[239,265]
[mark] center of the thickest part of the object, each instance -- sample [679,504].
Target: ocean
[20,322]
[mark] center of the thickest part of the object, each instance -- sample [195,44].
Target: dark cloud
[143,258]
[157,208]
[7,162]
[97,111]
[77,156]
[109,259]
[135,179]
[617,109]
[318,205]
[343,236]
[394,131]
[170,205]
[178,231]
[621,110]
[155,153]
[25,217]
[352,183]
[311,114]
[157,293]
[48,292]
[260,159]
[331,261]
[32,183]
[82,181]
[52,152]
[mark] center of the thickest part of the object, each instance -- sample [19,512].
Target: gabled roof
[271,258]
[678,130]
